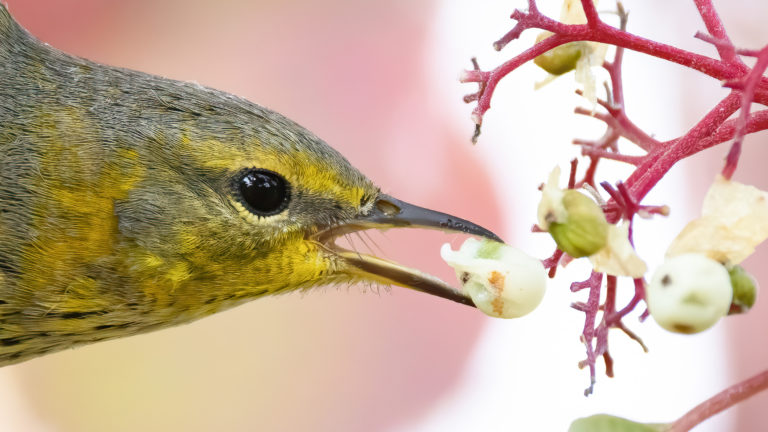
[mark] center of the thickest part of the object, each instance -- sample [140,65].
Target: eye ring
[262,192]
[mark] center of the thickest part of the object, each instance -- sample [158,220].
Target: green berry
[744,290]
[585,230]
[559,60]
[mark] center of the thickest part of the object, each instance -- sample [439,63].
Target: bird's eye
[264,192]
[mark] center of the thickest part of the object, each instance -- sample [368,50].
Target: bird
[131,202]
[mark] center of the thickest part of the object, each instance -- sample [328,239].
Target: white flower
[689,293]
[503,281]
[734,220]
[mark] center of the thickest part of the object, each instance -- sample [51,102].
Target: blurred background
[378,81]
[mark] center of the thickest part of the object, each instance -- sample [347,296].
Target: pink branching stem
[594,279]
[609,139]
[593,20]
[715,28]
[614,320]
[552,262]
[747,86]
[596,31]
[590,310]
[588,150]
[755,122]
[595,337]
[617,120]
[661,159]
[720,402]
[572,174]
[589,175]
[628,129]
[639,295]
[489,80]
[601,332]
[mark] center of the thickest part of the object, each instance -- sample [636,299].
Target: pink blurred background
[336,359]
[364,76]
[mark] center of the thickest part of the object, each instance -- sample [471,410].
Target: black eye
[264,192]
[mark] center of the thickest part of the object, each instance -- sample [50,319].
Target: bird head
[253,204]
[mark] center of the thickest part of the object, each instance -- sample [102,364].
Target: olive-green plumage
[118,213]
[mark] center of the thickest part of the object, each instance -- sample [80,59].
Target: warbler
[131,202]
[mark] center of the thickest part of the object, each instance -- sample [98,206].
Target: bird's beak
[389,212]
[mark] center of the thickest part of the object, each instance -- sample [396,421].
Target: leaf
[609,423]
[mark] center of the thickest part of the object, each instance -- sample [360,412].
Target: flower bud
[689,293]
[744,290]
[502,281]
[585,230]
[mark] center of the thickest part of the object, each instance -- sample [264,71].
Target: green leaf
[609,423]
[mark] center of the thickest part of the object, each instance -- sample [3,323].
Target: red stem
[756,122]
[639,295]
[715,28]
[661,159]
[598,152]
[720,402]
[747,96]
[628,129]
[593,20]
[593,304]
[492,78]
[598,31]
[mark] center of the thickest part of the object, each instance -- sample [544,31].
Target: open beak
[389,212]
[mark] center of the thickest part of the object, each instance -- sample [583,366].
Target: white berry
[689,293]
[503,281]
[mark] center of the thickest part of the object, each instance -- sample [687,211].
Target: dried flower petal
[618,257]
[551,208]
[573,13]
[734,220]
